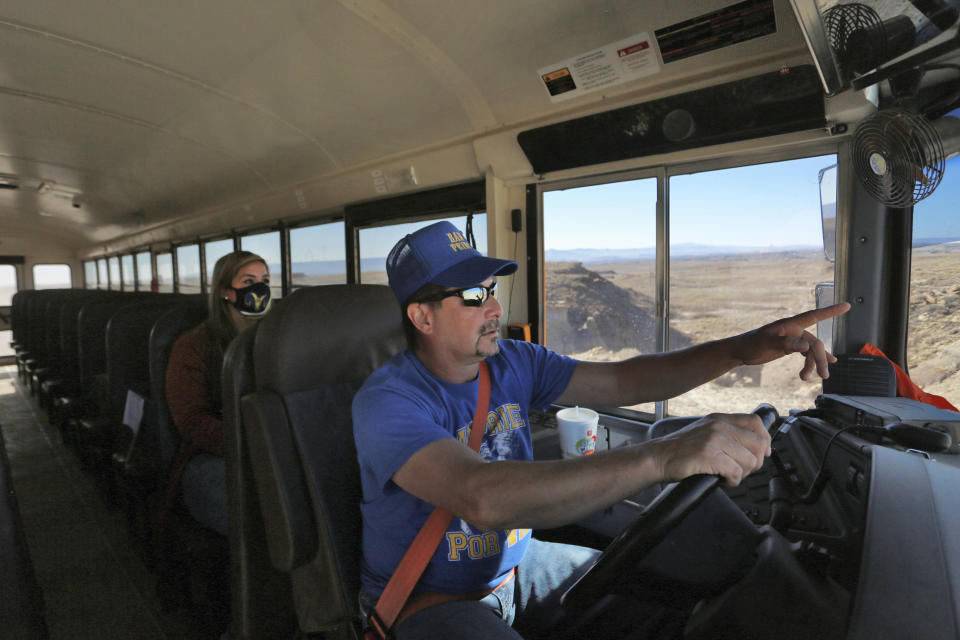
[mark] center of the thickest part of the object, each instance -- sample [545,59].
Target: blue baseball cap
[439,254]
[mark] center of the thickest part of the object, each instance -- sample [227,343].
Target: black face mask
[252,301]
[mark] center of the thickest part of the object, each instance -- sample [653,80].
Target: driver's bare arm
[660,376]
[548,494]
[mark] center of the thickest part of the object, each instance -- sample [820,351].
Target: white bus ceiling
[126,124]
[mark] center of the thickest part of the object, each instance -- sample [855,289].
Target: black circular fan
[898,157]
[862,41]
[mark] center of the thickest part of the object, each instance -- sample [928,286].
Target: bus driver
[411,416]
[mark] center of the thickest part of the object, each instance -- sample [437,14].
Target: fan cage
[898,157]
[857,36]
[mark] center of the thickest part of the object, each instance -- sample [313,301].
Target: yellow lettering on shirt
[476,547]
[456,542]
[516,535]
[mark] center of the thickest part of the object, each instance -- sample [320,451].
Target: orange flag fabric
[906,387]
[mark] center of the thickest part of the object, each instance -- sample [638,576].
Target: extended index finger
[813,316]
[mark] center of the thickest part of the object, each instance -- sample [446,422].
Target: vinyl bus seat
[48,373]
[20,308]
[61,344]
[82,430]
[261,602]
[128,370]
[185,554]
[36,362]
[66,397]
[310,357]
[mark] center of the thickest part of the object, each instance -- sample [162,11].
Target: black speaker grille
[773,103]
[861,375]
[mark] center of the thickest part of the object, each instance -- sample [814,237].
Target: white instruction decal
[619,62]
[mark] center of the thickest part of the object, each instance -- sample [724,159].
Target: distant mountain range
[587,256]
[691,250]
[333,267]
[926,242]
[687,250]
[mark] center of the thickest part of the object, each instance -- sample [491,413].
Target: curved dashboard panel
[910,574]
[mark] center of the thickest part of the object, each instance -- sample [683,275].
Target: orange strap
[417,557]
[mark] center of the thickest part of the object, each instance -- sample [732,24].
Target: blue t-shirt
[400,409]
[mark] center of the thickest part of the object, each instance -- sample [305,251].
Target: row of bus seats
[96,360]
[293,489]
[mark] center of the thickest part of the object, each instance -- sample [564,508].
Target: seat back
[42,310]
[92,346]
[159,440]
[128,348]
[50,341]
[310,357]
[261,603]
[69,331]
[19,324]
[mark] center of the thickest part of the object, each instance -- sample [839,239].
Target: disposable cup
[577,427]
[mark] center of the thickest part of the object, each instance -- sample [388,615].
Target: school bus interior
[612,149]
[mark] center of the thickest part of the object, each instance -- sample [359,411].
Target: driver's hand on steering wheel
[731,445]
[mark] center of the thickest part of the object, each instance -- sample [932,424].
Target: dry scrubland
[722,296]
[933,352]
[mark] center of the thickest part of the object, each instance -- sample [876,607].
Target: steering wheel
[660,517]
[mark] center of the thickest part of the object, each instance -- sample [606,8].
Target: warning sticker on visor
[616,63]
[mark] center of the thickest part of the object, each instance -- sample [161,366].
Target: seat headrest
[326,335]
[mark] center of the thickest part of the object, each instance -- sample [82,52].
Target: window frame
[536,300]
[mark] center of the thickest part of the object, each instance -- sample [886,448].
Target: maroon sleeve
[193,392]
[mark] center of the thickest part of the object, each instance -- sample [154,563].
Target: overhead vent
[770,104]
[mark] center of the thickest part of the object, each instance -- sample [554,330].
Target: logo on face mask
[253,301]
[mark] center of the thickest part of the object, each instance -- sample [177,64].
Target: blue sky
[769,205]
[765,205]
[938,215]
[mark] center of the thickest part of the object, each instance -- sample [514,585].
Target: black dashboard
[859,533]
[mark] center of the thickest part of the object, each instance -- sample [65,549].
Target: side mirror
[828,210]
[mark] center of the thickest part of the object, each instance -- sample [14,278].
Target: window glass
[213,251]
[8,284]
[126,264]
[600,271]
[102,279]
[144,271]
[188,268]
[933,339]
[51,276]
[114,268]
[164,272]
[90,274]
[746,248]
[267,246]
[318,255]
[8,287]
[376,242]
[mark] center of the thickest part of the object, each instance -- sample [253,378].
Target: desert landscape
[605,311]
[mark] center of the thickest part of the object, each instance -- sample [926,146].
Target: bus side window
[933,342]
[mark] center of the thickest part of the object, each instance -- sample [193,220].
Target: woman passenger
[239,296]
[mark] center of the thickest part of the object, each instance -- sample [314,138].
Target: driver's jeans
[524,605]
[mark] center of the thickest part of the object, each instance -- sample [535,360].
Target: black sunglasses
[471,296]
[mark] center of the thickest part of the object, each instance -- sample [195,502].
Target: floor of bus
[95,583]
